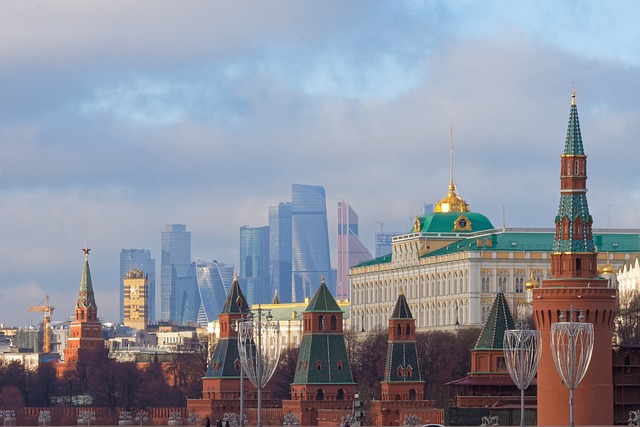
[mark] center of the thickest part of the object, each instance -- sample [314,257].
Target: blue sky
[117,118]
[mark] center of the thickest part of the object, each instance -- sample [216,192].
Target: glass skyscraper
[280,250]
[175,261]
[186,297]
[139,259]
[309,241]
[254,264]
[351,250]
[214,281]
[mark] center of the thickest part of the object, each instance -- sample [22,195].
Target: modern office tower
[139,259]
[351,250]
[383,242]
[214,281]
[186,298]
[136,299]
[254,264]
[309,240]
[175,261]
[280,250]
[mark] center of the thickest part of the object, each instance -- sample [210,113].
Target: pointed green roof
[235,302]
[323,300]
[401,310]
[498,321]
[86,298]
[573,143]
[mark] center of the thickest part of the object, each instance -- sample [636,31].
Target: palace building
[453,262]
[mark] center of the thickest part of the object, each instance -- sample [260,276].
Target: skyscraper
[175,261]
[254,264]
[309,240]
[139,259]
[383,242]
[351,250]
[280,250]
[136,299]
[186,297]
[214,281]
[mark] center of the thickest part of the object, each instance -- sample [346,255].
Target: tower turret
[85,331]
[575,283]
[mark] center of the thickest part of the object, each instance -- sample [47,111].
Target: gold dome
[532,283]
[608,269]
[451,203]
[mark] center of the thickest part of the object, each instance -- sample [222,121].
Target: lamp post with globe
[571,348]
[259,348]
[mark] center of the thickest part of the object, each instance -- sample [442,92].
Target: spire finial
[86,250]
[573,95]
[401,291]
[322,277]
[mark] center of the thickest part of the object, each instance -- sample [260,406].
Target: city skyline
[204,113]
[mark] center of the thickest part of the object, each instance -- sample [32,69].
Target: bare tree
[368,362]
[628,318]
[445,356]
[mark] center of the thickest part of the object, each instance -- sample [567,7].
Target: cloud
[118,119]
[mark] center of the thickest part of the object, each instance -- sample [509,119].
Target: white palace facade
[453,262]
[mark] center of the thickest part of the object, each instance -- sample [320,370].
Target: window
[320,394]
[339,365]
[500,364]
[318,366]
[340,394]
[334,323]
[321,323]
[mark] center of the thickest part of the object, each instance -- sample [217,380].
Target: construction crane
[47,309]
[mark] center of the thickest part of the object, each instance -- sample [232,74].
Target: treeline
[444,357]
[99,380]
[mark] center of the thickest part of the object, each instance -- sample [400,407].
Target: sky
[119,117]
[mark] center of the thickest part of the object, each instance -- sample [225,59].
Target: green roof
[445,222]
[538,241]
[573,143]
[401,310]
[86,297]
[322,359]
[323,300]
[498,321]
[235,302]
[522,240]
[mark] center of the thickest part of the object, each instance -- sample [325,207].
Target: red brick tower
[86,330]
[575,282]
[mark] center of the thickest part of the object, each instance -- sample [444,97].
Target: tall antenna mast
[451,154]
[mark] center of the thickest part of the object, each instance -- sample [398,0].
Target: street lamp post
[259,348]
[522,351]
[571,347]
[236,327]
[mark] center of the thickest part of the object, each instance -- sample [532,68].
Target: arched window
[318,366]
[334,323]
[412,394]
[320,394]
[340,394]
[321,323]
[408,329]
